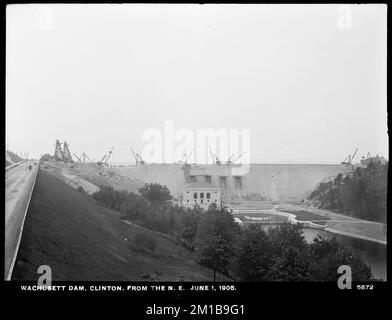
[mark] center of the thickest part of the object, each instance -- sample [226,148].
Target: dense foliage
[251,254]
[362,193]
[282,254]
[143,240]
[152,209]
[154,192]
[215,239]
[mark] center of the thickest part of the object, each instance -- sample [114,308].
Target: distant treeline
[251,254]
[361,193]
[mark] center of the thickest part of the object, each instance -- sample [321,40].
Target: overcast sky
[308,81]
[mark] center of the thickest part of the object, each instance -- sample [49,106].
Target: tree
[361,193]
[255,257]
[215,239]
[291,265]
[290,254]
[134,208]
[326,257]
[154,192]
[286,235]
[106,195]
[191,222]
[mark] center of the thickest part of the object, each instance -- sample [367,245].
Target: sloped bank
[81,240]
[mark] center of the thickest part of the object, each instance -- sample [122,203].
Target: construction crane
[352,158]
[108,157]
[102,161]
[80,160]
[238,157]
[105,158]
[185,157]
[365,161]
[229,160]
[141,161]
[84,157]
[138,158]
[349,159]
[189,155]
[182,158]
[368,156]
[135,156]
[214,157]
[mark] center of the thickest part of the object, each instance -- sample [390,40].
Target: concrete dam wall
[286,182]
[277,182]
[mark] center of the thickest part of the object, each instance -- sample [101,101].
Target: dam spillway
[276,182]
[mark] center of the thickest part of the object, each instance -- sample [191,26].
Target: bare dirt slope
[91,176]
[81,240]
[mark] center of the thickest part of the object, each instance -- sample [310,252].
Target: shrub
[145,241]
[134,207]
[154,192]
[361,193]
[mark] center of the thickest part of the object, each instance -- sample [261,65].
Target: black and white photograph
[207,145]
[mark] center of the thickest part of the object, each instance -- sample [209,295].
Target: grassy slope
[302,215]
[14,157]
[80,240]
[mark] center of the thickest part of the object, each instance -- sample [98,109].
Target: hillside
[14,157]
[81,240]
[361,193]
[74,174]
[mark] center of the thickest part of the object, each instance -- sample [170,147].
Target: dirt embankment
[91,176]
[81,240]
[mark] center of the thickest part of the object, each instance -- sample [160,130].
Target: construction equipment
[189,155]
[66,154]
[138,158]
[80,160]
[135,156]
[102,161]
[368,156]
[108,157]
[229,160]
[84,157]
[58,152]
[141,161]
[105,159]
[214,157]
[349,159]
[238,157]
[366,161]
[185,157]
